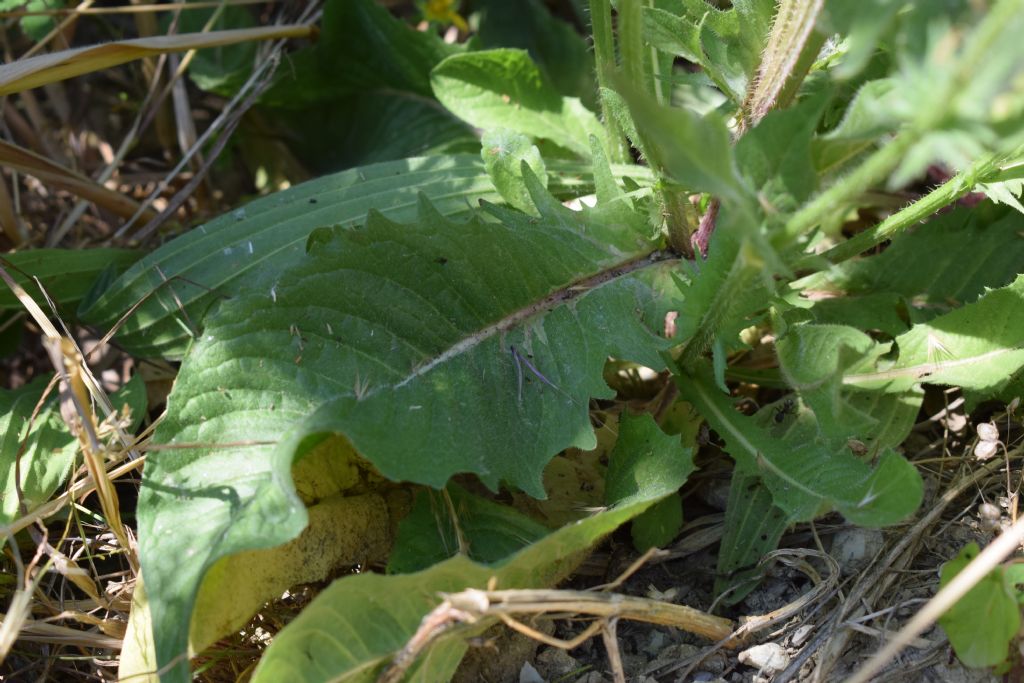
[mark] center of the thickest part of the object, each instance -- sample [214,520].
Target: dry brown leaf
[33,72]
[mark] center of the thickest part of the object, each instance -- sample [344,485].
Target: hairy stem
[983,170]
[604,58]
[881,163]
[838,196]
[791,29]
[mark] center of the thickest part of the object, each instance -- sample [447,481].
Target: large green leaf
[504,89]
[254,243]
[808,474]
[361,48]
[643,456]
[371,127]
[414,344]
[977,347]
[360,623]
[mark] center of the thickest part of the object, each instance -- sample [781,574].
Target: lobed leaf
[805,473]
[399,337]
[977,347]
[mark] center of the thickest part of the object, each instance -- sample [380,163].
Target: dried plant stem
[473,606]
[79,489]
[77,412]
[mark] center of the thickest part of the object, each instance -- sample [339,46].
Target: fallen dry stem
[77,490]
[473,606]
[605,605]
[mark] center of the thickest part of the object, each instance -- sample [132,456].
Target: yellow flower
[444,11]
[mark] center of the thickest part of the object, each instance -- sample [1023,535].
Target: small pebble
[767,657]
[854,548]
[801,635]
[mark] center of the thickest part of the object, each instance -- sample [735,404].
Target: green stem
[947,193]
[631,44]
[791,29]
[604,58]
[838,196]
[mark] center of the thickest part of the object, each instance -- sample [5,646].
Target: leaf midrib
[575,289]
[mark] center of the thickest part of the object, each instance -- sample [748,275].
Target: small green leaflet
[808,474]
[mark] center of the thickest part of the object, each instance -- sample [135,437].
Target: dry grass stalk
[22,160]
[33,72]
[473,606]
[872,585]
[85,9]
[77,412]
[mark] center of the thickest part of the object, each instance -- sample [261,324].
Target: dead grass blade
[20,608]
[55,175]
[33,72]
[130,9]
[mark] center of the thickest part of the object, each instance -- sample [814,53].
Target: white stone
[854,548]
[767,657]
